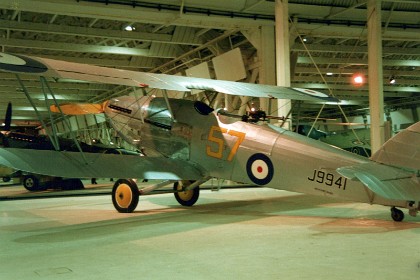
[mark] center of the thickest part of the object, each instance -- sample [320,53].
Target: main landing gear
[184,195]
[125,193]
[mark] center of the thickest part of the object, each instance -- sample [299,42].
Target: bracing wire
[324,80]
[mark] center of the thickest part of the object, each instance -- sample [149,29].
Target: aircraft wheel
[186,198]
[31,183]
[6,179]
[397,215]
[125,195]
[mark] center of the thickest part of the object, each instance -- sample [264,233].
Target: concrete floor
[230,234]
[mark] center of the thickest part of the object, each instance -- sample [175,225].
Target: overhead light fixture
[358,79]
[392,80]
[329,73]
[129,27]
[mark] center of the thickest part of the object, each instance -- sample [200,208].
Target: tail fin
[402,150]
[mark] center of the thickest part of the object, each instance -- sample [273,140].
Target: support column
[266,54]
[283,56]
[376,94]
[263,39]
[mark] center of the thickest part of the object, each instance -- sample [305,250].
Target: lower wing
[96,165]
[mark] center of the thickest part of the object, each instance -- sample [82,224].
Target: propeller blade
[345,124]
[276,118]
[8,118]
[78,109]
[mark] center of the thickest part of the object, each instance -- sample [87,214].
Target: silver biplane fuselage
[227,148]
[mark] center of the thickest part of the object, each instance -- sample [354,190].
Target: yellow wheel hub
[123,196]
[185,195]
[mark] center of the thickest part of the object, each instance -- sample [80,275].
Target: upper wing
[72,165]
[387,181]
[90,73]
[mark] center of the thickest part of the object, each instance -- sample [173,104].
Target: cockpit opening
[157,114]
[202,108]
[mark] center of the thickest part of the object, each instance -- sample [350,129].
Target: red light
[358,79]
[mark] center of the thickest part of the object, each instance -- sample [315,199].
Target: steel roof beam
[352,49]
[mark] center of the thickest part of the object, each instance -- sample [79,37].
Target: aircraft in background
[188,142]
[356,141]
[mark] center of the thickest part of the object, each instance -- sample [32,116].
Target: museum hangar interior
[332,46]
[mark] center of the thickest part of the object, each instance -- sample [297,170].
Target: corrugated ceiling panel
[162,50]
[184,34]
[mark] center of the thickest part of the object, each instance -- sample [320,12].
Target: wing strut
[66,121]
[52,139]
[165,95]
[44,82]
[56,142]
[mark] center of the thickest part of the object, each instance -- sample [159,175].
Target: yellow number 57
[220,141]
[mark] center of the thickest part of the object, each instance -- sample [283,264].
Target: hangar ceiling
[171,36]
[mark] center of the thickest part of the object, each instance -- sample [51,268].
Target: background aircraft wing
[90,73]
[72,165]
[386,181]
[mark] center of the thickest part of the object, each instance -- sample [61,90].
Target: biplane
[188,142]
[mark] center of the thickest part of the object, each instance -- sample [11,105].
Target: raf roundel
[260,169]
[21,64]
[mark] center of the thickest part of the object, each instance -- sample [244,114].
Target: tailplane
[402,150]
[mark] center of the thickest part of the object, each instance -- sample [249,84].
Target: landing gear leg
[125,195]
[397,215]
[186,197]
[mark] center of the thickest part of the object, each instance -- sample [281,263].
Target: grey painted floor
[230,234]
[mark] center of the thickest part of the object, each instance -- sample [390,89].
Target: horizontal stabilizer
[386,181]
[97,165]
[402,150]
[78,109]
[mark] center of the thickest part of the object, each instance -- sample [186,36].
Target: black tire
[125,195]
[356,150]
[31,183]
[6,179]
[361,151]
[397,215]
[186,198]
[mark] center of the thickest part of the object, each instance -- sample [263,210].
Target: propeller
[252,116]
[8,118]
[345,124]
[259,115]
